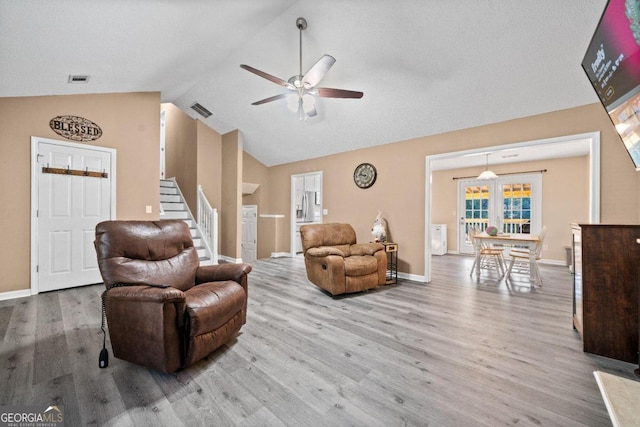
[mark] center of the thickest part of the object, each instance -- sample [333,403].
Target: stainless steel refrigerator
[309,208]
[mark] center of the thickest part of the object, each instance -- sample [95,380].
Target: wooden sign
[75,128]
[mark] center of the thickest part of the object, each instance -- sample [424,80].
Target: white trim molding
[412,277]
[15,294]
[230,260]
[280,254]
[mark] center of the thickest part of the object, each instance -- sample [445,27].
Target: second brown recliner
[337,264]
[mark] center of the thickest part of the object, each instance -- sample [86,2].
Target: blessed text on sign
[75,128]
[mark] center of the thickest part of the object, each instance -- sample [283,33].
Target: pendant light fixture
[487,174]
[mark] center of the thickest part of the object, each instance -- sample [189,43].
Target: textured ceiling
[425,67]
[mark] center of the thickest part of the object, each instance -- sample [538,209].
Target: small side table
[392,262]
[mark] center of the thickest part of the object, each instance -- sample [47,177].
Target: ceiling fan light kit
[302,88]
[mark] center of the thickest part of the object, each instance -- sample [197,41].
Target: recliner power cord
[103,359]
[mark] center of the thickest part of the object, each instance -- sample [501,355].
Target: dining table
[520,240]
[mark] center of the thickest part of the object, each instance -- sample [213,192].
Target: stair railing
[207,222]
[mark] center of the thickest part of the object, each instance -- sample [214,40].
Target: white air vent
[74,78]
[201,110]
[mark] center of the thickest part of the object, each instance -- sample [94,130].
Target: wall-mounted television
[612,64]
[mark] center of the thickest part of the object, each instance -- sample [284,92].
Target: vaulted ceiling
[425,67]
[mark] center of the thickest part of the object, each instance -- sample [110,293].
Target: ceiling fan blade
[326,92]
[318,71]
[267,76]
[271,98]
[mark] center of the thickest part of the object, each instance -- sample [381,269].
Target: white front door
[68,209]
[249,233]
[512,203]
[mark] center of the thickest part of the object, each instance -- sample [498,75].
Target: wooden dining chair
[541,235]
[520,260]
[491,257]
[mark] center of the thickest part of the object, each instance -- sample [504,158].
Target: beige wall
[399,189]
[209,164]
[181,152]
[231,217]
[565,198]
[255,172]
[198,155]
[130,123]
[193,156]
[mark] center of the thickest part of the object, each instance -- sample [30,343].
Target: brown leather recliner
[170,328]
[337,264]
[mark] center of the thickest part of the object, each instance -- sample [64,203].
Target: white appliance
[438,239]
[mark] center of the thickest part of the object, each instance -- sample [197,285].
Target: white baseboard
[15,294]
[412,277]
[280,254]
[229,259]
[553,262]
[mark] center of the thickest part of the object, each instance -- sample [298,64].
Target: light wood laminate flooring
[454,352]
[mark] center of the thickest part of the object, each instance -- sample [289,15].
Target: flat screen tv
[612,64]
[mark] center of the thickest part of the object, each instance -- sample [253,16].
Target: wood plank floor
[454,352]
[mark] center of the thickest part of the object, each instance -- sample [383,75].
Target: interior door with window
[512,203]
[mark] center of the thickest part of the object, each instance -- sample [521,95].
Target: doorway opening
[589,143]
[306,205]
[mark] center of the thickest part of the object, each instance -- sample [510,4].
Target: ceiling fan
[302,88]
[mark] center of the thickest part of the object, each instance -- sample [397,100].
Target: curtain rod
[500,174]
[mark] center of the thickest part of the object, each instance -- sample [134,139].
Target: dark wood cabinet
[605,289]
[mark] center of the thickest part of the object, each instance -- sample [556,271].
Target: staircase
[173,206]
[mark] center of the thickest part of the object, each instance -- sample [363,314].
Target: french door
[512,203]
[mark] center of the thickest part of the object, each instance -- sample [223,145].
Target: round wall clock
[365,175]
